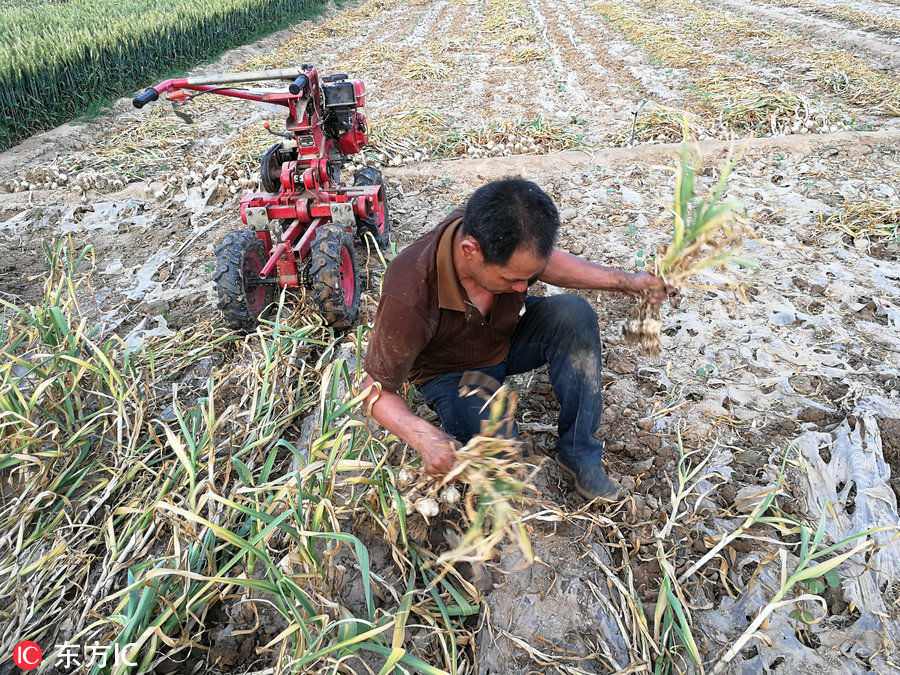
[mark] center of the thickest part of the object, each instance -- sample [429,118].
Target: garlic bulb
[450,495]
[428,507]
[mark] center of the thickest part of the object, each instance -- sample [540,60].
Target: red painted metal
[348,282]
[301,248]
[322,132]
[288,274]
[276,254]
[266,238]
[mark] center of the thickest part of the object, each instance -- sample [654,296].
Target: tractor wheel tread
[229,279]
[324,275]
[369,176]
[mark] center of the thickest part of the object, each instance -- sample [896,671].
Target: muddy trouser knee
[461,416]
[562,331]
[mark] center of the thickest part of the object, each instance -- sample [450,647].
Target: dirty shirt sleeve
[398,337]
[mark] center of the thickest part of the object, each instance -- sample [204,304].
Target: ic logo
[27,655]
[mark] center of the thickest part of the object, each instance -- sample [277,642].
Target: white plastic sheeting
[856,468]
[845,475]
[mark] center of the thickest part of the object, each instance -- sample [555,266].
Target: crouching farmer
[455,301]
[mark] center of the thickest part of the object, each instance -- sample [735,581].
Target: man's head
[507,234]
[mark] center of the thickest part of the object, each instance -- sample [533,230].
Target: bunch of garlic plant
[705,233]
[491,469]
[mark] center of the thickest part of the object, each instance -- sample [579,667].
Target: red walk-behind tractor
[299,228]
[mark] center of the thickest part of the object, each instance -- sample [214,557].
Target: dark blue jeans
[559,330]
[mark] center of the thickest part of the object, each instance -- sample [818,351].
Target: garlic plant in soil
[705,233]
[491,469]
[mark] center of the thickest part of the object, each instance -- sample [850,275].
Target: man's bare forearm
[570,271]
[391,412]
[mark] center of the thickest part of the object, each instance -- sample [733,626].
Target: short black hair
[506,214]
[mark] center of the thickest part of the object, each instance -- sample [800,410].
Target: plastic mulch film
[845,474]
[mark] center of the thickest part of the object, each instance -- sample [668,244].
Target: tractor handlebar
[214,83]
[145,97]
[298,85]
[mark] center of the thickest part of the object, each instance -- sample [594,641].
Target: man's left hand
[638,282]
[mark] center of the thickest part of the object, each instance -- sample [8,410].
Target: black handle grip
[336,77]
[298,85]
[145,97]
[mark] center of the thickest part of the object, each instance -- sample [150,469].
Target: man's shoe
[591,482]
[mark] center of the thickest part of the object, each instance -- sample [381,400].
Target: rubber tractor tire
[239,258]
[380,223]
[331,277]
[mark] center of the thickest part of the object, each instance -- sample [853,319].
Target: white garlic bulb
[450,495]
[428,507]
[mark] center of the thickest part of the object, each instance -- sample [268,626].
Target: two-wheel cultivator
[300,227]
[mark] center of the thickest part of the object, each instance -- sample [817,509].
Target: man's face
[522,266]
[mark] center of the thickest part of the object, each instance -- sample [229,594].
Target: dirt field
[461,92]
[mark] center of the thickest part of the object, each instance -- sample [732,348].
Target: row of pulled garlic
[46,178]
[513,144]
[427,505]
[53,178]
[516,145]
[199,173]
[783,127]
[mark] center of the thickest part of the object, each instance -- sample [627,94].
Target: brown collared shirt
[426,325]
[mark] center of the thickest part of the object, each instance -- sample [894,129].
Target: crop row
[57,60]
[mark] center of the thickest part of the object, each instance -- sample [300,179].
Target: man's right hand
[644,281]
[438,451]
